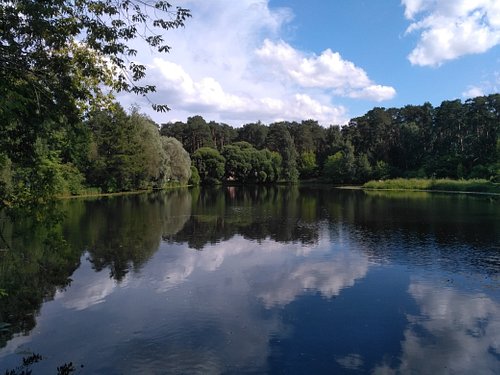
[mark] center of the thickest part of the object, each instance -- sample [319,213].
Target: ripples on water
[261,280]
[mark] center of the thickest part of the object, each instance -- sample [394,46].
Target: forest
[454,140]
[63,133]
[116,151]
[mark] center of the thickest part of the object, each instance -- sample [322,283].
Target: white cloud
[214,70]
[328,71]
[490,85]
[472,92]
[450,29]
[208,95]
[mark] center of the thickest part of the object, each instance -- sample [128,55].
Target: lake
[232,280]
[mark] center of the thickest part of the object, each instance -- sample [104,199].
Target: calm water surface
[283,280]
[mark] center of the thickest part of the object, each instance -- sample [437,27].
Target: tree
[244,163]
[279,139]
[239,157]
[222,134]
[127,152]
[178,162]
[58,61]
[363,168]
[307,164]
[340,168]
[197,134]
[210,165]
[333,142]
[114,162]
[55,45]
[151,155]
[254,133]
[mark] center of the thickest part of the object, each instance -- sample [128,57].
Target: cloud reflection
[88,288]
[215,297]
[303,267]
[456,333]
[328,278]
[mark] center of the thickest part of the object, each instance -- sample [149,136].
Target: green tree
[58,60]
[340,168]
[239,161]
[210,165]
[307,165]
[363,168]
[195,176]
[279,139]
[254,133]
[198,134]
[151,154]
[116,160]
[382,170]
[177,163]
[222,134]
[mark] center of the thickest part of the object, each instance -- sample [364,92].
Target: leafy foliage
[244,163]
[61,60]
[210,165]
[177,161]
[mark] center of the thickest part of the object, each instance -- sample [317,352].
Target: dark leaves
[35,35]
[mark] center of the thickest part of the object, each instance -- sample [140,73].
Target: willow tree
[58,60]
[177,163]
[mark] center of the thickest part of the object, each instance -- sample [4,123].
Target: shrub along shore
[444,185]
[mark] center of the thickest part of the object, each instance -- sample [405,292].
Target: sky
[242,61]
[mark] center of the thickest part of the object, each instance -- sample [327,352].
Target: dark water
[281,280]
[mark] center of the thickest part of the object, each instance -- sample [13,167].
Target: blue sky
[247,60]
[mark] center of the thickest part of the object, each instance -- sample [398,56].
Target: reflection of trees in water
[44,248]
[122,233]
[454,231]
[292,213]
[126,231]
[256,212]
[37,263]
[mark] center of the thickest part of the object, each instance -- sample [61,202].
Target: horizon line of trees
[114,151]
[453,140]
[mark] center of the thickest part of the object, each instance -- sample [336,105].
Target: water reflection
[264,280]
[455,333]
[328,278]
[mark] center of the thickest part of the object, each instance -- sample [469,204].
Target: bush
[195,176]
[72,178]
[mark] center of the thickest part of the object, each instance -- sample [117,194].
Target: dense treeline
[61,63]
[111,151]
[454,140]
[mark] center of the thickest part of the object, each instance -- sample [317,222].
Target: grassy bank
[96,192]
[468,186]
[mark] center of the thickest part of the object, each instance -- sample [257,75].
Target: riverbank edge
[444,185]
[418,190]
[346,187]
[119,193]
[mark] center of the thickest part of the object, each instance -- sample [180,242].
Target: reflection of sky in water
[456,333]
[265,306]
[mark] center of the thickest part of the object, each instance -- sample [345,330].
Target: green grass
[469,186]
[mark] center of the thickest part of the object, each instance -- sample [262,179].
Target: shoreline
[417,190]
[135,192]
[346,187]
